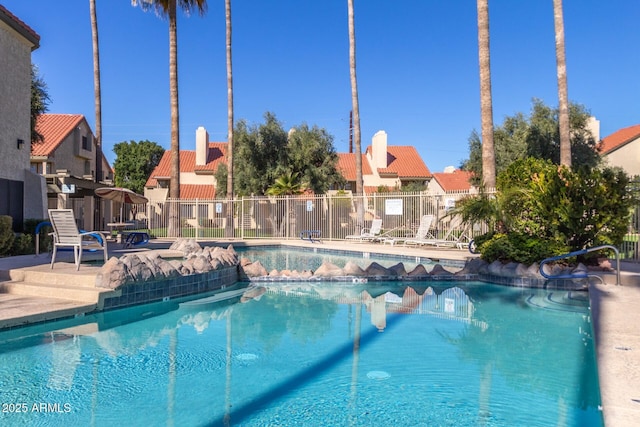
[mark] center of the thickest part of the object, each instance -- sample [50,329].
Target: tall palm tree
[356,118]
[486,102]
[563,92]
[354,99]
[229,225]
[168,8]
[98,108]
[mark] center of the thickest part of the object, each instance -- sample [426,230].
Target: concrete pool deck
[615,309]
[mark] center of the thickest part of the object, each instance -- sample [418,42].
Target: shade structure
[121,195]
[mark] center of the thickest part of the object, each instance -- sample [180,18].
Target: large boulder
[252,269]
[186,246]
[113,274]
[419,271]
[328,269]
[375,270]
[439,270]
[398,270]
[353,269]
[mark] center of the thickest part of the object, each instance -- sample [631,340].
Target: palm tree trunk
[486,102]
[356,118]
[563,92]
[354,99]
[229,223]
[97,220]
[174,186]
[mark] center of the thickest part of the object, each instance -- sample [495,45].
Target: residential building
[451,180]
[622,149]
[383,165]
[197,169]
[67,158]
[22,193]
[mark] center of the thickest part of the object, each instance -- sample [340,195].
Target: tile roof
[215,157]
[14,22]
[453,181]
[405,162]
[54,128]
[619,138]
[347,165]
[197,191]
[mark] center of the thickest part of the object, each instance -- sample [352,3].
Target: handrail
[576,253]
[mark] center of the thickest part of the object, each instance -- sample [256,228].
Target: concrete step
[85,279]
[72,292]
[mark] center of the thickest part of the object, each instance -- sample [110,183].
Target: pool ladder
[576,253]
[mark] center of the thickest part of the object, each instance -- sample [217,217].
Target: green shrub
[517,247]
[6,235]
[23,244]
[542,210]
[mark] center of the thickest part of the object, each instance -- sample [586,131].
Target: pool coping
[615,312]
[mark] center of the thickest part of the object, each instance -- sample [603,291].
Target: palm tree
[169,8]
[486,103]
[356,117]
[98,106]
[229,226]
[563,92]
[288,184]
[354,99]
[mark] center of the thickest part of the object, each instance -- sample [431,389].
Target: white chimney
[379,149]
[449,169]
[593,125]
[202,146]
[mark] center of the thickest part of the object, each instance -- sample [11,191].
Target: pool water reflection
[315,354]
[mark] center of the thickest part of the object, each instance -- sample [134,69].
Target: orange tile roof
[54,128]
[405,162]
[217,151]
[619,138]
[197,191]
[453,181]
[347,165]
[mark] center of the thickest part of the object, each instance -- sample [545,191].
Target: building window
[87,167]
[86,145]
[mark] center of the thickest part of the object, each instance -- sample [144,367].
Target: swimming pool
[380,354]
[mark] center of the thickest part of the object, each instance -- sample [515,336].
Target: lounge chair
[66,234]
[460,241]
[368,234]
[421,234]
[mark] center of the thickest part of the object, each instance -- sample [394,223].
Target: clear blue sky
[417,65]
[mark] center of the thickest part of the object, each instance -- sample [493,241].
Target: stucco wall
[627,157]
[65,156]
[15,103]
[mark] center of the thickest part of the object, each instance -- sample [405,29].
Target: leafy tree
[265,152]
[134,163]
[537,136]
[260,155]
[312,155]
[39,102]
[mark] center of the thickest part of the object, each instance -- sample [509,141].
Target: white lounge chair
[368,234]
[421,234]
[66,234]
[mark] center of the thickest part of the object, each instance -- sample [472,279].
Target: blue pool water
[300,354]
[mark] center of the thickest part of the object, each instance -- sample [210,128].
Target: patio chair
[66,234]
[421,234]
[368,234]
